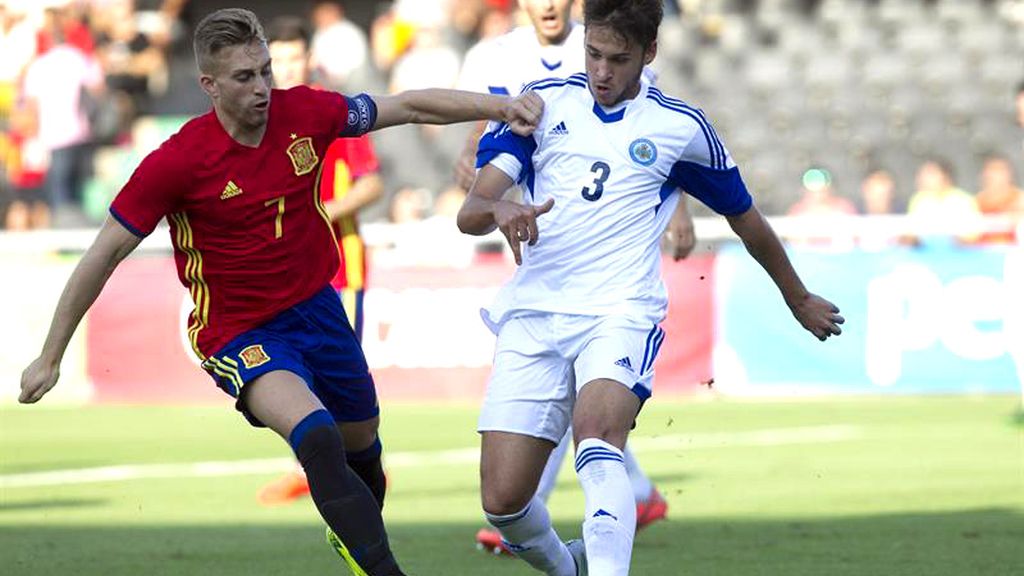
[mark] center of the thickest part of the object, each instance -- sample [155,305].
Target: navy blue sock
[343,500]
[366,464]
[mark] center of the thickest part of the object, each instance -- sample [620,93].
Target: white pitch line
[674,442]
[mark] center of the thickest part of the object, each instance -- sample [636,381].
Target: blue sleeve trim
[312,420]
[362,115]
[504,141]
[499,90]
[120,219]
[721,190]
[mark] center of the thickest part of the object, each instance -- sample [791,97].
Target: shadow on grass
[51,504]
[974,542]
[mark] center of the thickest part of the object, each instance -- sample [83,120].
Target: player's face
[239,83]
[614,65]
[290,63]
[996,175]
[550,18]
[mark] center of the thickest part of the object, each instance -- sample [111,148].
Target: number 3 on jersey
[601,172]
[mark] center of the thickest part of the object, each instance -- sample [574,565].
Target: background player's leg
[554,465]
[362,452]
[283,402]
[650,505]
[602,418]
[510,467]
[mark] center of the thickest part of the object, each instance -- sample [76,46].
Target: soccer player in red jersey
[255,248]
[349,182]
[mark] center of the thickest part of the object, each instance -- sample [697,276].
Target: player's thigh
[510,468]
[614,372]
[250,356]
[531,388]
[280,400]
[605,409]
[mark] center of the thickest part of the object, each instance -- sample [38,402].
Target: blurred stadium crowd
[828,106]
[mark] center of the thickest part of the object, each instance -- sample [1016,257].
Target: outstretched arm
[440,106]
[817,315]
[485,209]
[112,244]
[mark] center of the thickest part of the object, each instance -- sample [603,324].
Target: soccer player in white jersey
[552,46]
[577,326]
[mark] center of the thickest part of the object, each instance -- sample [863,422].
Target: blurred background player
[552,46]
[350,181]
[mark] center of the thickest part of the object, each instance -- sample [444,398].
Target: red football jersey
[250,235]
[347,160]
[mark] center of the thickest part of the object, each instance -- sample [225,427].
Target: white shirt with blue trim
[503,65]
[613,175]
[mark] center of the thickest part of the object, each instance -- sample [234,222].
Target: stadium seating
[852,84]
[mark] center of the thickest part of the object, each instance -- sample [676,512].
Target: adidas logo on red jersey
[230,191]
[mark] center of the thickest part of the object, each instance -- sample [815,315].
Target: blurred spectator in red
[69,21]
[878,197]
[878,193]
[819,198]
[54,85]
[940,206]
[820,202]
[1000,196]
[339,49]
[26,171]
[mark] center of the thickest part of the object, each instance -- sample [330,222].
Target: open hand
[518,222]
[523,113]
[37,380]
[818,316]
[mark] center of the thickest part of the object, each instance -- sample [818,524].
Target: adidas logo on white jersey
[559,130]
[625,363]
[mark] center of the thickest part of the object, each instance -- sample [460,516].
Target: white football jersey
[613,176]
[503,65]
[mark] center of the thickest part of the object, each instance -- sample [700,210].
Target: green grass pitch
[871,486]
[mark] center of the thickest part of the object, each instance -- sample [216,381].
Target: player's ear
[207,83]
[650,53]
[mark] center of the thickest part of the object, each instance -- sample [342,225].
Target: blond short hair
[222,29]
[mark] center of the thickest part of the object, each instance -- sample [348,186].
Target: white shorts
[542,360]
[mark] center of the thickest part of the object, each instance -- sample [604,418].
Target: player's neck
[544,41]
[246,135]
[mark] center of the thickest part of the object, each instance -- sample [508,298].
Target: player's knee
[586,426]
[503,499]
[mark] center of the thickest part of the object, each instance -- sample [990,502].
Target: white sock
[529,534]
[610,521]
[550,476]
[642,486]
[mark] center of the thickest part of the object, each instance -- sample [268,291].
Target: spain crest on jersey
[253,356]
[303,156]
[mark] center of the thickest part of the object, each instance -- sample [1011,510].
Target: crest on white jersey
[643,152]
